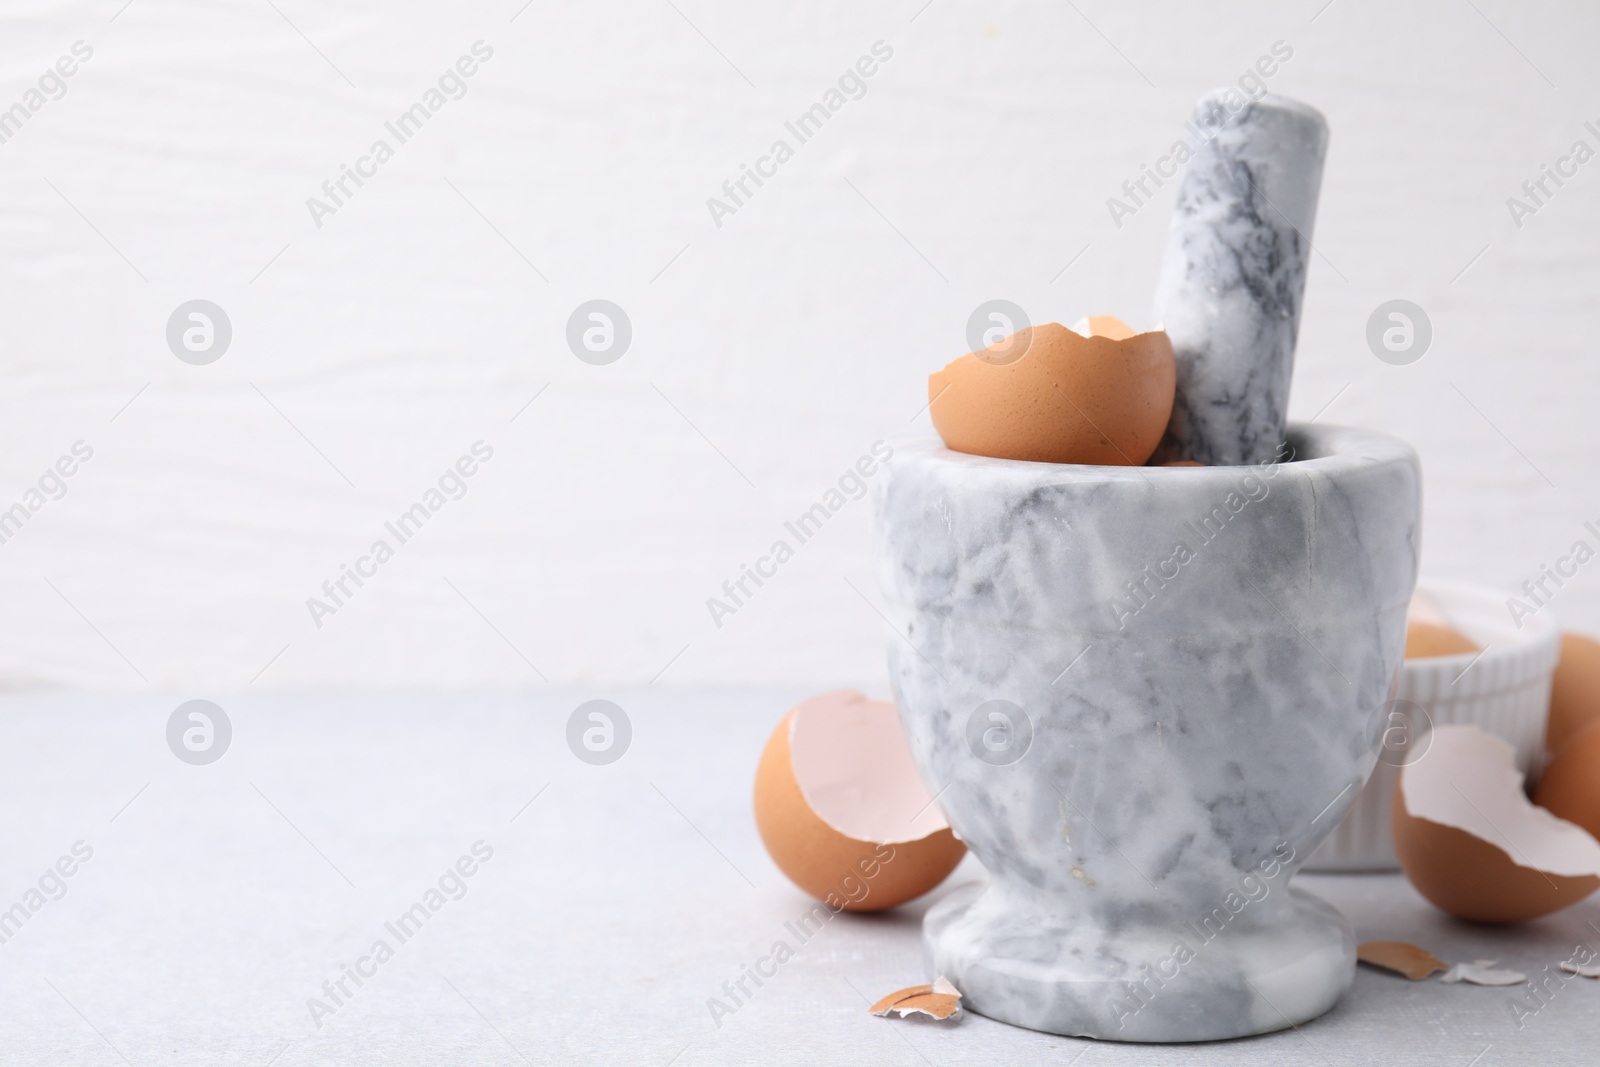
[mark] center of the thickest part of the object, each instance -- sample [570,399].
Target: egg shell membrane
[1470,841]
[1482,972]
[852,763]
[882,1007]
[821,859]
[1068,399]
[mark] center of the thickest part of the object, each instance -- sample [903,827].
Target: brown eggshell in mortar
[1067,399]
[893,845]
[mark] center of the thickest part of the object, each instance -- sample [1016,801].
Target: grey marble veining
[1234,275]
[1201,657]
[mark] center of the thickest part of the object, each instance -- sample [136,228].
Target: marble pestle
[1234,274]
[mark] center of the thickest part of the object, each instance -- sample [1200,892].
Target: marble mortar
[1143,696]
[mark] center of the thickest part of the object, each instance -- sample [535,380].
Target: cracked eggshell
[1473,844]
[842,810]
[1575,690]
[1570,785]
[938,1000]
[1069,398]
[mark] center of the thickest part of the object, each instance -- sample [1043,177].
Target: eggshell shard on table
[1401,958]
[1574,692]
[1473,844]
[842,810]
[1482,972]
[939,1000]
[1067,398]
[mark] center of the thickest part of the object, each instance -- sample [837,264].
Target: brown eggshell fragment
[1570,786]
[1066,399]
[1401,958]
[1427,639]
[941,1000]
[882,1007]
[1472,843]
[842,811]
[1575,691]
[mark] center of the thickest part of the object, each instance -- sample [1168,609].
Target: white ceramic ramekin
[1505,689]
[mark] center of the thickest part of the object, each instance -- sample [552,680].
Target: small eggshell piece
[1482,972]
[1103,326]
[940,1000]
[1401,958]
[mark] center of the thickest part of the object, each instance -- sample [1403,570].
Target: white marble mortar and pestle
[1143,695]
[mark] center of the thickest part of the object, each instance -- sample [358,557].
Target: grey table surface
[618,899]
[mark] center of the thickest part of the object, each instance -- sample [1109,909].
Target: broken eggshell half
[1054,395]
[842,810]
[1473,844]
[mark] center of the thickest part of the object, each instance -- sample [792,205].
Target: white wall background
[406,328]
